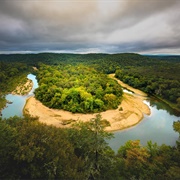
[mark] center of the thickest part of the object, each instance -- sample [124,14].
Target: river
[158,127]
[18,101]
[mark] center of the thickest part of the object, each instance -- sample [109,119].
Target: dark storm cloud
[102,26]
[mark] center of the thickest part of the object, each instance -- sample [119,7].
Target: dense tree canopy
[77,89]
[162,81]
[79,83]
[31,150]
[157,75]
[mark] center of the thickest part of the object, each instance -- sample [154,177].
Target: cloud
[111,26]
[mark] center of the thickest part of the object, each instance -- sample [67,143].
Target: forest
[159,76]
[162,82]
[32,150]
[80,83]
[77,89]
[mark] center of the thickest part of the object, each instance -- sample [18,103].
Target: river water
[18,101]
[158,127]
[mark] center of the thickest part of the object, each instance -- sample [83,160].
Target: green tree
[178,102]
[176,126]
[37,151]
[135,159]
[82,89]
[111,100]
[90,144]
[8,147]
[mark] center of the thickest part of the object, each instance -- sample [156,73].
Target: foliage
[152,74]
[31,150]
[77,89]
[90,145]
[176,126]
[156,75]
[150,162]
[161,83]
[10,76]
[2,102]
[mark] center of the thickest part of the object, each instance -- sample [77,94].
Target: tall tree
[90,144]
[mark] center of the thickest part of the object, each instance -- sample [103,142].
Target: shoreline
[137,91]
[129,113]
[133,110]
[167,103]
[23,89]
[126,86]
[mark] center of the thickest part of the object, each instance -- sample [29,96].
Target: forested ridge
[32,150]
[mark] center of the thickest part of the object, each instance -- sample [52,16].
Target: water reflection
[162,106]
[158,127]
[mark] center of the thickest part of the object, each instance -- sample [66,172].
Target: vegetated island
[130,112]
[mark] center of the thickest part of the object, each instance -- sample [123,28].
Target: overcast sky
[102,26]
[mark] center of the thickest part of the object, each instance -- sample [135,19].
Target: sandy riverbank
[132,112]
[126,86]
[23,89]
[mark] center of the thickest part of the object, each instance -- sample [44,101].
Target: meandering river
[158,127]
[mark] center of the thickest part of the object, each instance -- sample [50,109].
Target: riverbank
[137,91]
[129,113]
[126,86]
[172,106]
[3,102]
[24,88]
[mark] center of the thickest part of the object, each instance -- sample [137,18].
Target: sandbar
[129,113]
[23,89]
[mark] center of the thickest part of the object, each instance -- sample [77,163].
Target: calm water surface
[157,127]
[18,101]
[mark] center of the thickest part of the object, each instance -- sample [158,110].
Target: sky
[90,26]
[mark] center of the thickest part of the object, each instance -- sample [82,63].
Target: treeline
[77,89]
[102,62]
[32,150]
[9,72]
[162,81]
